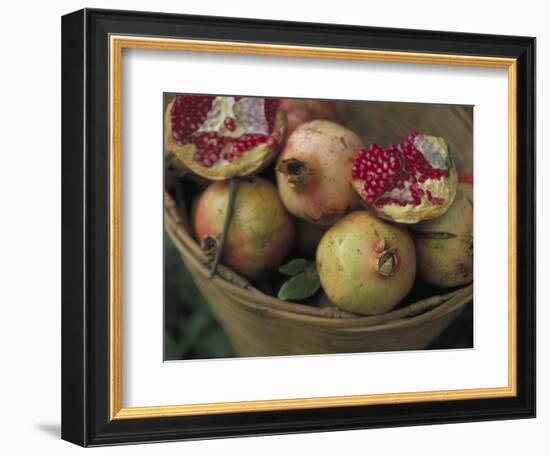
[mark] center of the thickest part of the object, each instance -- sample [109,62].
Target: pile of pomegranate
[296,202]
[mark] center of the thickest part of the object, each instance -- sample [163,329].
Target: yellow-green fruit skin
[260,233]
[348,262]
[445,245]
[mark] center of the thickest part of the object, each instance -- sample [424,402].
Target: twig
[233,185]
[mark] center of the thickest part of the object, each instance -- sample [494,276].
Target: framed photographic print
[279,227]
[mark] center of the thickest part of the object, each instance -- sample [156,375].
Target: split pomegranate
[222,137]
[313,169]
[413,181]
[365,264]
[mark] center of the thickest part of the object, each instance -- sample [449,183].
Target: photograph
[281,227]
[316,226]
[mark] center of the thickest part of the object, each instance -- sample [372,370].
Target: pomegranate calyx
[386,262]
[209,246]
[296,172]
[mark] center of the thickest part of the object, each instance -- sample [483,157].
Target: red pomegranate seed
[270,110]
[229,123]
[189,114]
[402,167]
[371,166]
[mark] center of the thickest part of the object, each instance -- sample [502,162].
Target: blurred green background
[191,332]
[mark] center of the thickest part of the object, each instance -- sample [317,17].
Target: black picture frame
[85,222]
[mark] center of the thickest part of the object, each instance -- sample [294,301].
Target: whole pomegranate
[413,181]
[222,137]
[260,232]
[299,111]
[365,264]
[445,245]
[313,172]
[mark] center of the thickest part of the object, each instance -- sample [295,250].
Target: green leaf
[297,266]
[301,286]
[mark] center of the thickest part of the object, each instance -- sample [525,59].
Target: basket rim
[414,313]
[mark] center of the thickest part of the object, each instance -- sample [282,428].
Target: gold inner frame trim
[117,44]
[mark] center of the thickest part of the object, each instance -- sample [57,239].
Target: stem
[296,171]
[233,186]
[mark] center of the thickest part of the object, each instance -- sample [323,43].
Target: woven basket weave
[258,324]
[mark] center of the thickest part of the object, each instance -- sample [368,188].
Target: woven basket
[259,325]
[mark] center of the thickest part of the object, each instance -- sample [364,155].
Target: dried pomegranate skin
[365,264]
[421,187]
[222,137]
[312,172]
